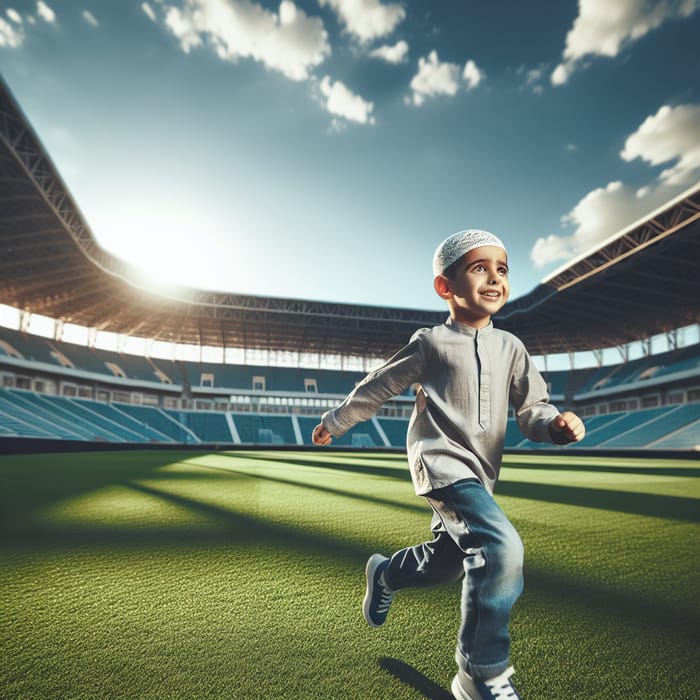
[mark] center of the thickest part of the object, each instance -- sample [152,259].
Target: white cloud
[10,37]
[45,12]
[561,74]
[14,15]
[392,54]
[441,78]
[90,18]
[367,19]
[471,74]
[534,75]
[290,41]
[149,11]
[600,214]
[344,103]
[533,78]
[550,249]
[672,134]
[604,28]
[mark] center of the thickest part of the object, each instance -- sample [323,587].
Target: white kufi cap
[454,247]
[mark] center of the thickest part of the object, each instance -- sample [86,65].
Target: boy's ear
[442,287]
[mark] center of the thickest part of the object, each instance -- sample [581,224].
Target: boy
[467,373]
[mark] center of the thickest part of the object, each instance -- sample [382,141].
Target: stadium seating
[362,435]
[127,410]
[557,383]
[30,347]
[687,438]
[156,420]
[18,410]
[265,429]
[87,412]
[395,430]
[650,426]
[201,426]
[115,413]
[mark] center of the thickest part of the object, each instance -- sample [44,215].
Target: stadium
[134,485]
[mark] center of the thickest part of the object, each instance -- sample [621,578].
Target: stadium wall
[19,446]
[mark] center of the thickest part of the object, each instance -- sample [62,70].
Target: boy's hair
[451,270]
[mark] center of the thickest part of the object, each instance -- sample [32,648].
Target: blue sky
[321,149]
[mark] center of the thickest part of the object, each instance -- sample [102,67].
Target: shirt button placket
[484,387]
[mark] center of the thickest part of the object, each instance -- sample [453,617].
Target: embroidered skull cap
[454,247]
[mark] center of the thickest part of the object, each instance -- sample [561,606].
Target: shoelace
[384,599]
[501,688]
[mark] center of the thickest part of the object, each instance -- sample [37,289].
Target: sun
[164,247]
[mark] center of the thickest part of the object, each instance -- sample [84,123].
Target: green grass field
[162,574]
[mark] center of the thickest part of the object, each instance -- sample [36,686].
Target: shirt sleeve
[530,399]
[391,379]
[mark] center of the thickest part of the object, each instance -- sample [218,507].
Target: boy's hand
[321,436]
[567,427]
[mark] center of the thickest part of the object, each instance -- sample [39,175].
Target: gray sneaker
[464,687]
[378,595]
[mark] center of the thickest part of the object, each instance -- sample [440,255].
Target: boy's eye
[503,270]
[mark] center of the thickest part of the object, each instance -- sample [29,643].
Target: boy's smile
[479,286]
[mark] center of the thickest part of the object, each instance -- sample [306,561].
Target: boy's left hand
[321,436]
[567,427]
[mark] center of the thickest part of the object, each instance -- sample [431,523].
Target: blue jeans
[474,539]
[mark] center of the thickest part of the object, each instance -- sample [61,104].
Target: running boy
[467,373]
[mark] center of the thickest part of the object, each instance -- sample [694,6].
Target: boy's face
[479,287]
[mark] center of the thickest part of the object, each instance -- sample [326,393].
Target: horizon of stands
[120,397]
[31,351]
[24,413]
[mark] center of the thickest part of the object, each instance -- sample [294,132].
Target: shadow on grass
[650,504]
[250,529]
[31,481]
[401,474]
[549,465]
[229,528]
[218,527]
[616,604]
[415,505]
[414,678]
[570,591]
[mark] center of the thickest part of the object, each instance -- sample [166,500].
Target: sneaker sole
[372,563]
[458,692]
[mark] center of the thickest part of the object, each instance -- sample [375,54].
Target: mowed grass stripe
[239,575]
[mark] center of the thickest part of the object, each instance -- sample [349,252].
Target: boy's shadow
[409,675]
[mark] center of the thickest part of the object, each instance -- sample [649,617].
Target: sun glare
[164,247]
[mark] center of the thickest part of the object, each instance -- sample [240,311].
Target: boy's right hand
[321,436]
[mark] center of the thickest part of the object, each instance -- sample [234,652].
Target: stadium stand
[362,435]
[265,429]
[156,420]
[395,430]
[207,427]
[64,391]
[87,412]
[650,426]
[687,438]
[557,383]
[19,414]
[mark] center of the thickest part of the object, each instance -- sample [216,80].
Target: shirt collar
[466,329]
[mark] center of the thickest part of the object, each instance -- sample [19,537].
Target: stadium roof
[641,282]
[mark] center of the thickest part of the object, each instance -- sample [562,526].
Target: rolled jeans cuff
[481,671]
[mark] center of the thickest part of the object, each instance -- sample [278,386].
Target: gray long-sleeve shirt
[467,379]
